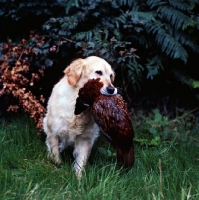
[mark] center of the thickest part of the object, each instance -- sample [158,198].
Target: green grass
[167,171]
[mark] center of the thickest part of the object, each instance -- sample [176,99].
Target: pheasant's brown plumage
[111,115]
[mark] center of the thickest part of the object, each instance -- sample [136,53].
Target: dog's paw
[79,175]
[78,170]
[54,158]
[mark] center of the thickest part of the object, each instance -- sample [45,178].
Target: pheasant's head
[88,94]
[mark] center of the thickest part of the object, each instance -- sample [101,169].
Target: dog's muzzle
[108,91]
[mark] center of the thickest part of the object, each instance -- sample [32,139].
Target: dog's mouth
[108,91]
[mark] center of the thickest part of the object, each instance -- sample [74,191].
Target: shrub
[156,128]
[21,66]
[163,32]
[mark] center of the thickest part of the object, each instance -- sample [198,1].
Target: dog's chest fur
[80,122]
[75,125]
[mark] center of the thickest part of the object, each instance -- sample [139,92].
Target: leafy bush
[22,9]
[156,128]
[164,33]
[17,18]
[161,31]
[21,66]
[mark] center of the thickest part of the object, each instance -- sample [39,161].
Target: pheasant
[111,115]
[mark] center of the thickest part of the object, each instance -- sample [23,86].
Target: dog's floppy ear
[74,71]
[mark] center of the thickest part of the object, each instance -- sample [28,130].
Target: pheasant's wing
[107,136]
[102,116]
[80,106]
[111,115]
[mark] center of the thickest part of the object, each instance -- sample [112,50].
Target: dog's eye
[98,72]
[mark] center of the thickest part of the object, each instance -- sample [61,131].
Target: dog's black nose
[110,89]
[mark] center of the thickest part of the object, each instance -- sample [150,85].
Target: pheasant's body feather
[111,115]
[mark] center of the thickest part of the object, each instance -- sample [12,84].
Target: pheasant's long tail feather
[126,158]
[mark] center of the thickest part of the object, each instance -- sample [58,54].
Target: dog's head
[81,70]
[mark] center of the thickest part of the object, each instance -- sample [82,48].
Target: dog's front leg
[81,153]
[52,143]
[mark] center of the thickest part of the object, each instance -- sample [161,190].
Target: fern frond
[73,3]
[181,76]
[141,15]
[175,17]
[129,3]
[134,18]
[168,44]
[183,5]
[135,73]
[86,35]
[70,4]
[156,3]
[141,39]
[154,65]
[184,39]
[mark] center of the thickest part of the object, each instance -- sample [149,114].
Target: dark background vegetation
[152,45]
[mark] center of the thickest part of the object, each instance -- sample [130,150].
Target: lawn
[169,170]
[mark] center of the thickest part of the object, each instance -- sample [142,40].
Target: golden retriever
[61,125]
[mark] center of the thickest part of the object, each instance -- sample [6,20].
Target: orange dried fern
[17,79]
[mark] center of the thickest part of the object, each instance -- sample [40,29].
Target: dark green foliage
[141,39]
[177,18]
[21,9]
[161,31]
[17,18]
[156,128]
